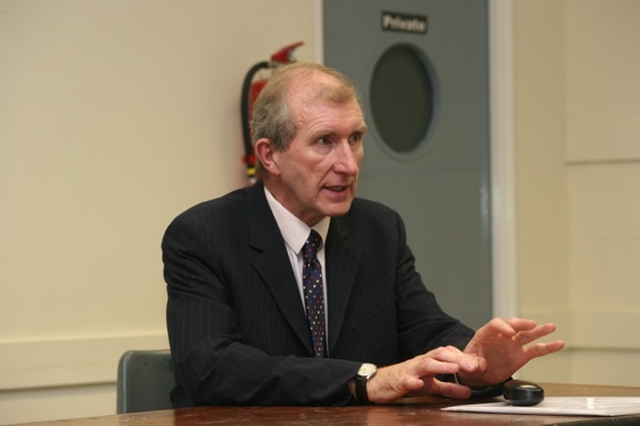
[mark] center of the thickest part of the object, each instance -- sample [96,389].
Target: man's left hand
[501,350]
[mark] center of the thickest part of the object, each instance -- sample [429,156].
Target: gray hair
[272,118]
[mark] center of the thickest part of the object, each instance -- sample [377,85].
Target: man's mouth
[337,188]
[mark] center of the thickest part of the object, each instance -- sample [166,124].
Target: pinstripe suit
[237,327]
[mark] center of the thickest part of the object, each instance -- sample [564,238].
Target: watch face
[367,369]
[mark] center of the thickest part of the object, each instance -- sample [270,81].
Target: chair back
[145,380]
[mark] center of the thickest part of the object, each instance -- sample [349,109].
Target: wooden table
[418,411]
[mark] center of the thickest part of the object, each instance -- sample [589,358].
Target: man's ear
[264,151]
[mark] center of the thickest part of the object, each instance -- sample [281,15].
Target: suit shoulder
[368,209]
[367,215]
[231,201]
[232,205]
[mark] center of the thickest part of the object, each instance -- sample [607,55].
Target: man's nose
[347,159]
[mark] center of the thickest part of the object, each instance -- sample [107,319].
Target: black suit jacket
[237,326]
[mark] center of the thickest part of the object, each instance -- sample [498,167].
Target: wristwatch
[365,372]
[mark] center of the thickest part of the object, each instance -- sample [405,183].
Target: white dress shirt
[295,232]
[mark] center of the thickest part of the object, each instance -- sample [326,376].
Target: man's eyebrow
[329,132]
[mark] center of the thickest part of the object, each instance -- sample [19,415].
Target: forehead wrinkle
[326,89]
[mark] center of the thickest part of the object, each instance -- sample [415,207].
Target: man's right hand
[417,376]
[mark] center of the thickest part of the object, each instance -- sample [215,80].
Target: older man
[294,291]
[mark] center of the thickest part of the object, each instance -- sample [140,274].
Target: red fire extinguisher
[250,91]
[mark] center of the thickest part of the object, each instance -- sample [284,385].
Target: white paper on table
[562,405]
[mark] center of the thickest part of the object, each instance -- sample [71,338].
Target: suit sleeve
[213,365]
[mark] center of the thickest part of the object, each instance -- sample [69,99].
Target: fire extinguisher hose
[244,110]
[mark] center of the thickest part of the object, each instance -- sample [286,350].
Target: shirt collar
[294,231]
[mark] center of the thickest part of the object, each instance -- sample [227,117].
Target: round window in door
[403,98]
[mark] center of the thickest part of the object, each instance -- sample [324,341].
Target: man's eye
[324,141]
[356,137]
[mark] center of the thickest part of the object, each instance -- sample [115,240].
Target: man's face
[318,172]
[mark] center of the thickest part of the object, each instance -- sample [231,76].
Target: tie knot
[312,245]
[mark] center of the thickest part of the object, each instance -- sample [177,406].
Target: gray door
[422,69]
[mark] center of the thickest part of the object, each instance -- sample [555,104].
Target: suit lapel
[343,261]
[272,263]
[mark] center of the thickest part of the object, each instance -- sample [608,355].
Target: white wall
[578,172]
[603,162]
[542,222]
[115,116]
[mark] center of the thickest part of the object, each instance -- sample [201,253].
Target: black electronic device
[523,393]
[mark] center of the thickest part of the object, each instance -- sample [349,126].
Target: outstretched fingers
[542,349]
[526,336]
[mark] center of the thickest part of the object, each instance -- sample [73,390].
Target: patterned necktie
[313,292]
